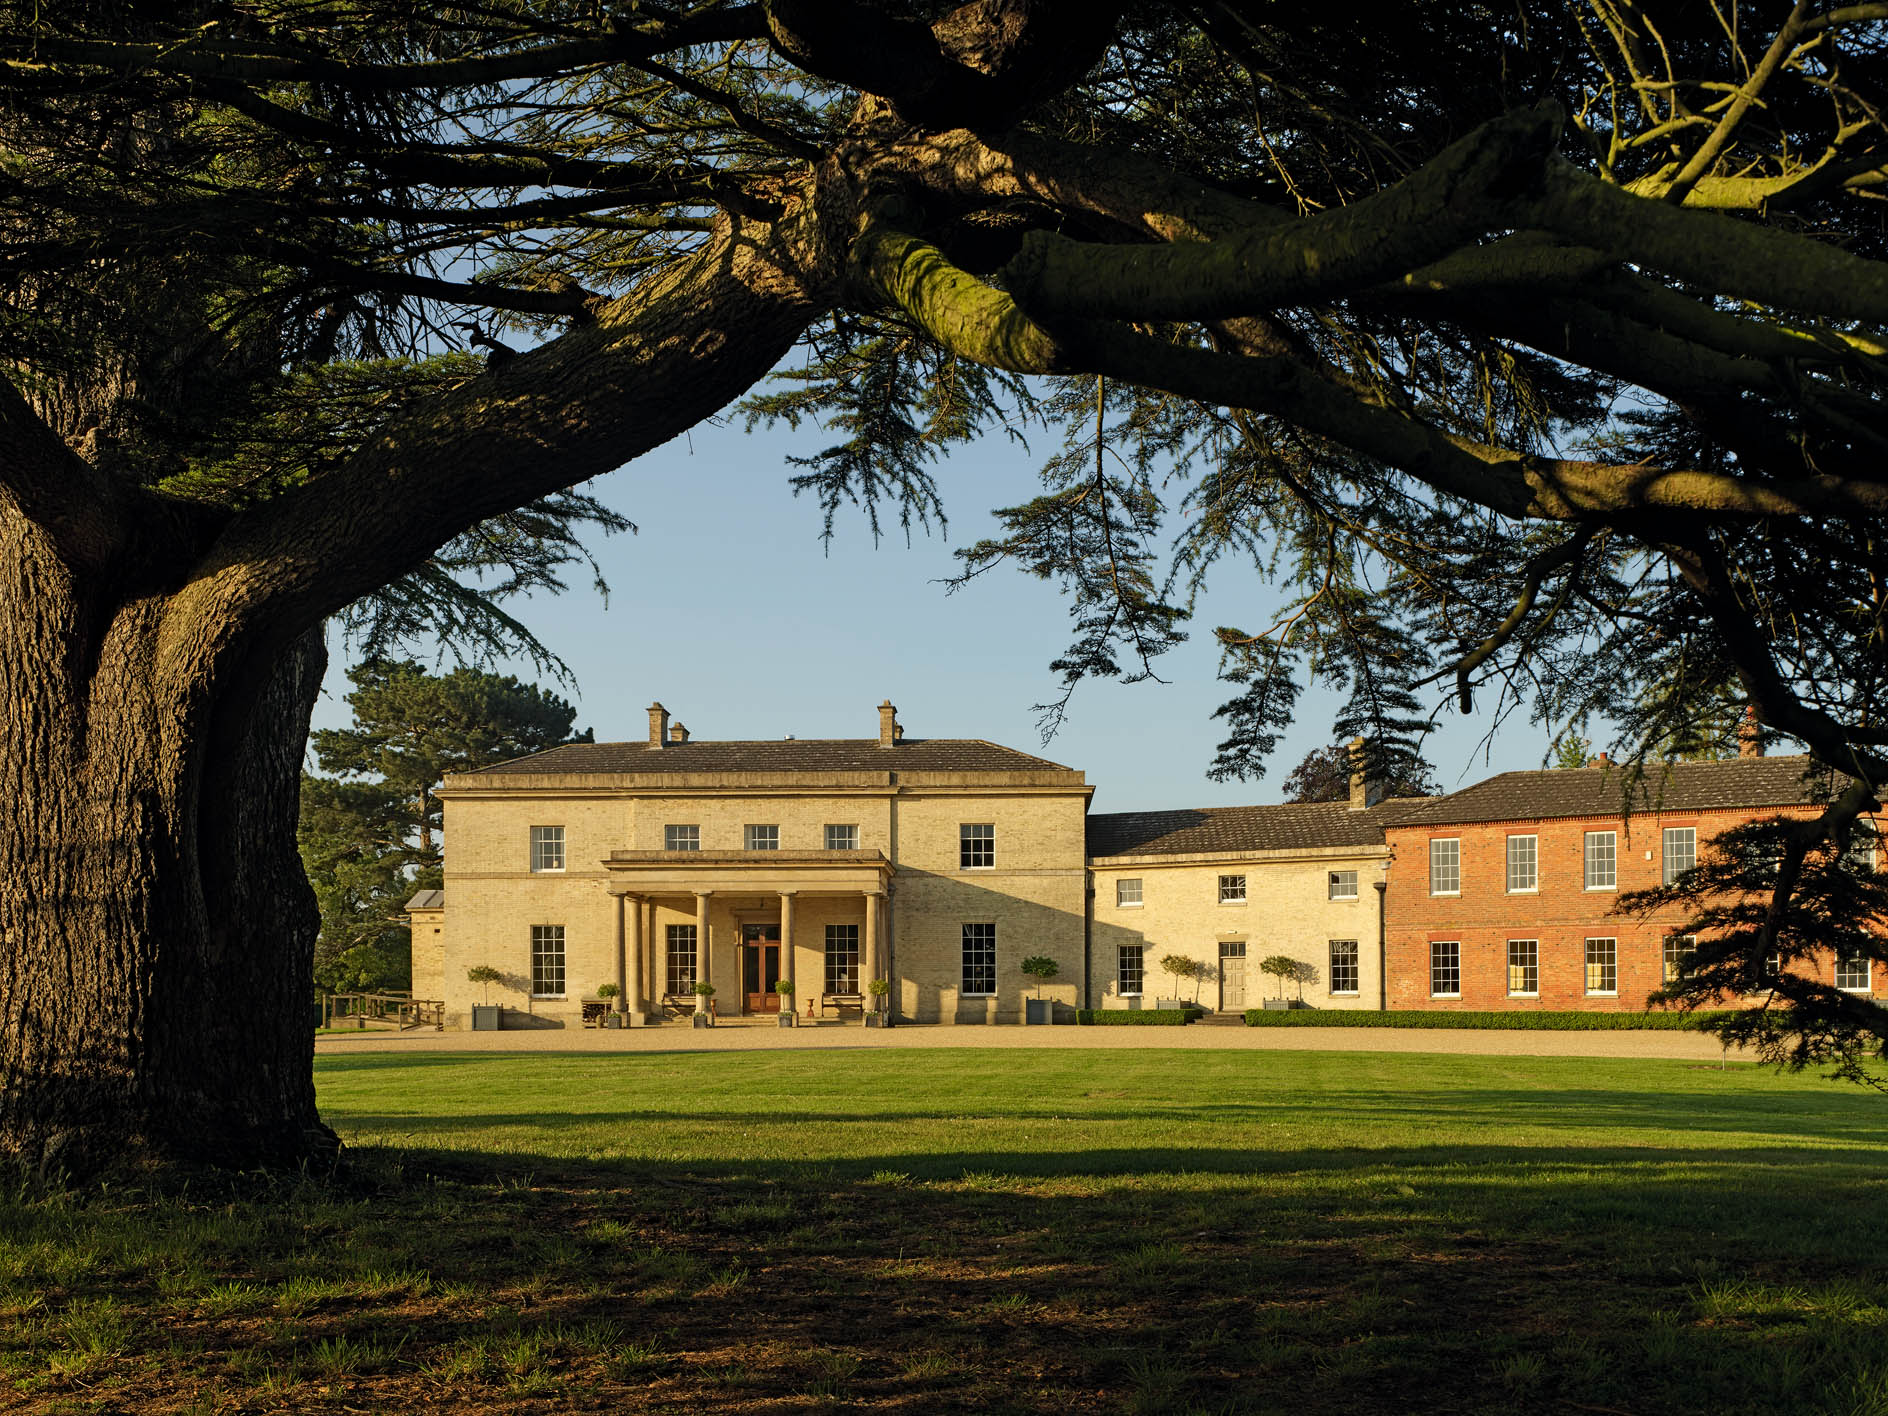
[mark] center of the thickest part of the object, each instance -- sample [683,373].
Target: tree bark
[159,933]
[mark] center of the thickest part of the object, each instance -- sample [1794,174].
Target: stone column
[868,950]
[656,972]
[703,958]
[632,982]
[623,907]
[786,940]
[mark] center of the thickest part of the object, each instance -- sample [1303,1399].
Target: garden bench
[842,1003]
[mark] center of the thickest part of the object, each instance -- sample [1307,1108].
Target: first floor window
[1445,867]
[842,838]
[1524,968]
[1678,852]
[1342,885]
[1524,863]
[1445,968]
[1343,966]
[1852,974]
[1602,860]
[1128,970]
[980,958]
[681,838]
[1232,889]
[547,847]
[761,838]
[547,961]
[976,845]
[1860,853]
[842,958]
[1127,892]
[1675,956]
[1602,965]
[681,959]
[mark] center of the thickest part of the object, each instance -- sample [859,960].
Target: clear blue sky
[728,609]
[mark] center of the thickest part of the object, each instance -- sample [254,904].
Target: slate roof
[1600,791]
[1217,830]
[778,755]
[428,900]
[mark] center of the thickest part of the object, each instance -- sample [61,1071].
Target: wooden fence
[381,1010]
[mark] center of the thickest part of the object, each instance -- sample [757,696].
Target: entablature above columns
[748,872]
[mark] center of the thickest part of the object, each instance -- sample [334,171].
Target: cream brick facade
[1287,910]
[896,874]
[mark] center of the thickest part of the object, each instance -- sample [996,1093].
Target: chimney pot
[1750,734]
[888,730]
[1364,791]
[658,724]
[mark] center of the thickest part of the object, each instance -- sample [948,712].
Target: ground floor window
[1675,955]
[1445,968]
[1343,966]
[1524,968]
[1852,974]
[1602,966]
[842,958]
[980,958]
[1129,969]
[547,961]
[681,971]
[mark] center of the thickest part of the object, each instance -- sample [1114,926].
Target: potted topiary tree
[703,991]
[1041,968]
[1280,967]
[484,1015]
[607,992]
[875,1016]
[1180,966]
[784,987]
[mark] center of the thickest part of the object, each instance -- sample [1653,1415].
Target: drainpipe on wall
[1383,971]
[1088,923]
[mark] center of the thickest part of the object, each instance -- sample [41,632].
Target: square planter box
[877,1020]
[785,1020]
[1278,1005]
[485,1017]
[1038,1010]
[1166,1004]
[614,1020]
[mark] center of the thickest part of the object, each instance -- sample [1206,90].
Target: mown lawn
[994,1231]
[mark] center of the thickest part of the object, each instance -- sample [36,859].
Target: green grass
[1014,1231]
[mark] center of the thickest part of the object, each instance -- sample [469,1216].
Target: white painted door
[1232,975]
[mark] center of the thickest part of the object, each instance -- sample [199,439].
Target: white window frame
[1124,974]
[1672,950]
[1232,889]
[547,958]
[1335,885]
[1590,860]
[1445,865]
[1863,963]
[1440,962]
[983,941]
[1126,898]
[976,845]
[1532,863]
[681,837]
[1530,965]
[842,838]
[1863,840]
[1607,964]
[840,963]
[760,838]
[1342,962]
[1677,843]
[547,850]
[680,958]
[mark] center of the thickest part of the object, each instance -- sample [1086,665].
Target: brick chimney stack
[658,724]
[888,730]
[1750,735]
[678,733]
[1364,792]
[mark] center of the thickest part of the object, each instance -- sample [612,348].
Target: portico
[743,921]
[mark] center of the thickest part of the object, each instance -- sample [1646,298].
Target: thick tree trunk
[158,932]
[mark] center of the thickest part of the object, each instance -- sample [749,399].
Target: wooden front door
[1232,975]
[760,967]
